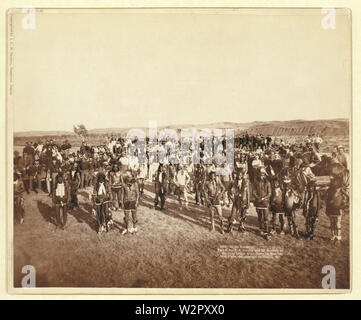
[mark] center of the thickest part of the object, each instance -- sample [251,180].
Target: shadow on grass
[196,214]
[47,212]
[84,215]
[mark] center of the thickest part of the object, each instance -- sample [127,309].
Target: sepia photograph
[184,148]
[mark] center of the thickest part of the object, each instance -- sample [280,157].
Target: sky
[124,68]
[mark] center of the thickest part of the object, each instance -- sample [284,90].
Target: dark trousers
[85,178]
[129,221]
[291,218]
[102,214]
[19,211]
[61,217]
[198,190]
[280,218]
[38,182]
[238,211]
[74,199]
[310,225]
[160,194]
[264,219]
[29,183]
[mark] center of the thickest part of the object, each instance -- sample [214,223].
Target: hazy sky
[124,69]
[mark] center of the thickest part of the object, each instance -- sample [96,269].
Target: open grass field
[173,249]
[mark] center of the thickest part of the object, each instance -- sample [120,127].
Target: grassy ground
[173,249]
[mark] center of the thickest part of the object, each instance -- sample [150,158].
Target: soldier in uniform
[74,184]
[240,198]
[161,186]
[262,194]
[199,179]
[213,190]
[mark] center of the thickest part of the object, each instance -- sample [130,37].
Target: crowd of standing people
[275,176]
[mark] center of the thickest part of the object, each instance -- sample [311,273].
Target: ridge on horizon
[239,124]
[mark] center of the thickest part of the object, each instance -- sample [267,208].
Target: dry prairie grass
[173,249]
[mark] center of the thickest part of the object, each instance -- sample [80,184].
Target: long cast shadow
[198,215]
[84,215]
[47,212]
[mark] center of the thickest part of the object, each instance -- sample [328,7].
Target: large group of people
[277,177]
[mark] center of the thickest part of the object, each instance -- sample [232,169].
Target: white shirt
[101,189]
[133,163]
[182,177]
[124,161]
[257,163]
[142,171]
[60,190]
[39,148]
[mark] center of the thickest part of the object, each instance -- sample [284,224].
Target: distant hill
[41,133]
[334,127]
